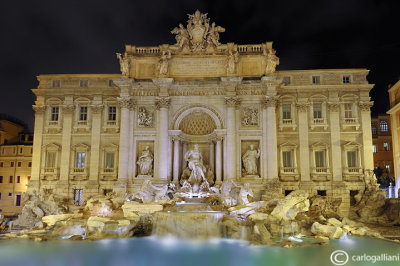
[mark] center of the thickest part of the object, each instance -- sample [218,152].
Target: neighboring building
[312,127]
[394,97]
[15,164]
[382,146]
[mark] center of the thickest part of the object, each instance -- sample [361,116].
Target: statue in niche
[250,160]
[145,118]
[233,58]
[195,164]
[163,63]
[272,60]
[182,37]
[145,162]
[250,116]
[124,64]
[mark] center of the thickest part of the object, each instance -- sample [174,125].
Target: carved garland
[126,102]
[232,101]
[334,107]
[270,101]
[39,109]
[96,109]
[303,107]
[68,108]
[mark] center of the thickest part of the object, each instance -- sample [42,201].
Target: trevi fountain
[214,202]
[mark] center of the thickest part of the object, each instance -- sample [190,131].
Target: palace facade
[309,129]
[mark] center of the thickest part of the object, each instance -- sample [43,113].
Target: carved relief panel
[145,117]
[250,116]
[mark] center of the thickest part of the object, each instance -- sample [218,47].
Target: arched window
[383,126]
[373,127]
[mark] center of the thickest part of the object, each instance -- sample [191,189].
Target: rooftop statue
[198,35]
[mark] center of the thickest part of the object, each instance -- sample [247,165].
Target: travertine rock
[51,220]
[333,232]
[135,209]
[288,207]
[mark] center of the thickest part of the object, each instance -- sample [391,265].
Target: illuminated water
[153,251]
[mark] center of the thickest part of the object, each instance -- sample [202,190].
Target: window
[317,110]
[287,192]
[1,179]
[83,113]
[110,83]
[286,111]
[383,126]
[17,200]
[78,196]
[10,194]
[346,79]
[287,159]
[106,191]
[28,178]
[51,159]
[54,113]
[387,168]
[386,146]
[11,178]
[110,160]
[1,164]
[29,164]
[0,195]
[112,113]
[20,150]
[18,179]
[56,83]
[374,148]
[80,160]
[352,160]
[320,159]
[84,83]
[321,192]
[12,164]
[286,80]
[316,79]
[348,110]
[373,128]
[19,164]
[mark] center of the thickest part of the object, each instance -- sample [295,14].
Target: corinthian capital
[126,102]
[39,109]
[334,106]
[163,102]
[68,108]
[366,106]
[302,107]
[270,101]
[232,101]
[97,108]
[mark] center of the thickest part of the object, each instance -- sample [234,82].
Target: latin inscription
[198,67]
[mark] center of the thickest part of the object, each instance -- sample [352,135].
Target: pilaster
[336,149]
[37,146]
[271,137]
[162,104]
[304,147]
[365,108]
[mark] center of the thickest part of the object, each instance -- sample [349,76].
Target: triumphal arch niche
[204,97]
[219,109]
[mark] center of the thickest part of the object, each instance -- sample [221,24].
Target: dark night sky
[50,37]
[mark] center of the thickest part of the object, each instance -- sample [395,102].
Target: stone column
[218,160]
[68,112]
[367,135]
[335,141]
[271,138]
[184,150]
[231,103]
[37,147]
[125,104]
[212,157]
[304,147]
[264,141]
[94,171]
[162,104]
[132,146]
[170,157]
[176,160]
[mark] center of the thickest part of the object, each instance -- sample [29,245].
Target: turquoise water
[153,251]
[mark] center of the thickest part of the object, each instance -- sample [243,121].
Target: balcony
[353,174]
[287,123]
[319,123]
[82,126]
[350,122]
[108,174]
[111,126]
[50,173]
[53,127]
[320,174]
[289,174]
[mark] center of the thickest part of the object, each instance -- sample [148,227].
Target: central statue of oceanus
[198,170]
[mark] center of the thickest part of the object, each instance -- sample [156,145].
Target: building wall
[383,157]
[15,169]
[344,126]
[394,97]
